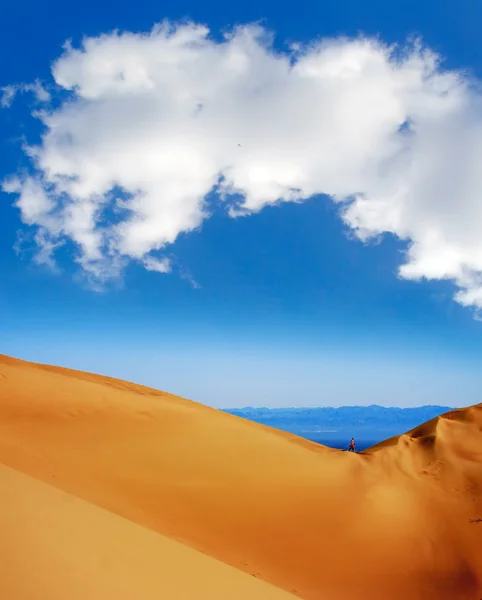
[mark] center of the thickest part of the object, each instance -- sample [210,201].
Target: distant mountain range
[328,422]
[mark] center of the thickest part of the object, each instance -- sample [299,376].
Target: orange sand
[57,547]
[396,522]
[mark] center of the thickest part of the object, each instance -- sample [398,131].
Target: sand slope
[55,546]
[398,521]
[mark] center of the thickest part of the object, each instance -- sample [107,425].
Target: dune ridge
[395,522]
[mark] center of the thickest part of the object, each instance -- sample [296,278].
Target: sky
[243,203]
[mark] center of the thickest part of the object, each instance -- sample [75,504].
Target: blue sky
[289,305]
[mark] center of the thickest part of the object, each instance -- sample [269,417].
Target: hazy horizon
[276,382]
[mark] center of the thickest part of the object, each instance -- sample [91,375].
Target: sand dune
[57,547]
[396,522]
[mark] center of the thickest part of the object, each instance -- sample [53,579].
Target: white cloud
[155,264]
[9,92]
[47,245]
[155,121]
[33,201]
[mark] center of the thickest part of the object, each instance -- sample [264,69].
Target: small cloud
[9,92]
[23,238]
[188,277]
[46,248]
[162,265]
[43,246]
[40,92]
[7,95]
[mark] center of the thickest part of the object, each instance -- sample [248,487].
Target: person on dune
[351,447]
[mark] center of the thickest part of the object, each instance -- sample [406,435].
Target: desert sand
[56,546]
[109,486]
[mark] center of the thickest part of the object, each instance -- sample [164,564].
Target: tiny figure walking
[351,447]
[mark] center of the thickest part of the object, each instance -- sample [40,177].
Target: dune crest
[313,521]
